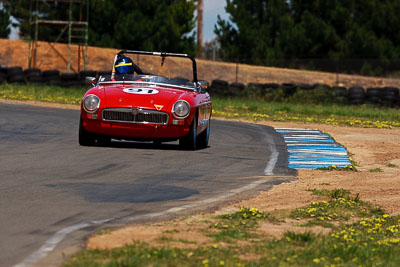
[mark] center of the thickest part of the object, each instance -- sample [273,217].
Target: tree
[268,31]
[21,11]
[4,24]
[258,31]
[165,25]
[155,25]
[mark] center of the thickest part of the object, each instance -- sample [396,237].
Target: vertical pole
[214,51]
[86,35]
[237,70]
[337,72]
[30,35]
[80,43]
[79,57]
[36,35]
[200,26]
[69,35]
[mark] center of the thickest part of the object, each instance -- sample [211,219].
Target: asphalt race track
[49,185]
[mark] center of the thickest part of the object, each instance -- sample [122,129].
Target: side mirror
[203,85]
[92,80]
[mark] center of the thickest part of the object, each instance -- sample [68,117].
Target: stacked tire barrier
[16,75]
[356,95]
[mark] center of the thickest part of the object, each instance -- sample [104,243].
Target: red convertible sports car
[131,105]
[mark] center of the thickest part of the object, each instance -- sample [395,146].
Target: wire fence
[360,66]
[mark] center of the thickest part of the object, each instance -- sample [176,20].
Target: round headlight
[181,109]
[91,103]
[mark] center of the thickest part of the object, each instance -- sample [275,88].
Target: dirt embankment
[372,149]
[54,56]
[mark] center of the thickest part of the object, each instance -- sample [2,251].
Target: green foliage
[4,24]
[45,93]
[236,225]
[371,238]
[335,193]
[20,10]
[339,206]
[250,109]
[286,30]
[138,25]
[299,237]
[143,25]
[333,114]
[376,170]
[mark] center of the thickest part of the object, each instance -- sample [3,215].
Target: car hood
[141,96]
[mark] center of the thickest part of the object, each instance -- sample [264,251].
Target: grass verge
[361,116]
[358,234]
[45,93]
[239,108]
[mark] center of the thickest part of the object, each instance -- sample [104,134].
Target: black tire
[356,90]
[254,90]
[219,87]
[3,69]
[71,84]
[236,89]
[85,138]
[37,80]
[373,100]
[389,95]
[52,80]
[341,100]
[397,103]
[33,75]
[356,95]
[2,79]
[51,73]
[189,141]
[14,71]
[257,87]
[321,86]
[16,79]
[203,138]
[33,71]
[373,91]
[103,140]
[340,90]
[69,76]
[305,87]
[356,101]
[269,87]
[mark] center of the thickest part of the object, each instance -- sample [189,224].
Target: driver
[125,65]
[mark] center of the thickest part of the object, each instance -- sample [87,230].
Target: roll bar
[163,55]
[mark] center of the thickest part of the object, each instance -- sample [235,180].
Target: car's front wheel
[85,138]
[189,141]
[202,139]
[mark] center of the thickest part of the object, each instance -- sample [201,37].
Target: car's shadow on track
[144,145]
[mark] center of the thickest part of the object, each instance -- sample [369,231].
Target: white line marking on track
[297,129]
[320,163]
[308,144]
[274,155]
[54,240]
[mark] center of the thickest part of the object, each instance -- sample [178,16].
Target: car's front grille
[135,115]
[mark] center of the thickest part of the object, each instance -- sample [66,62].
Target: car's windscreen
[147,80]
